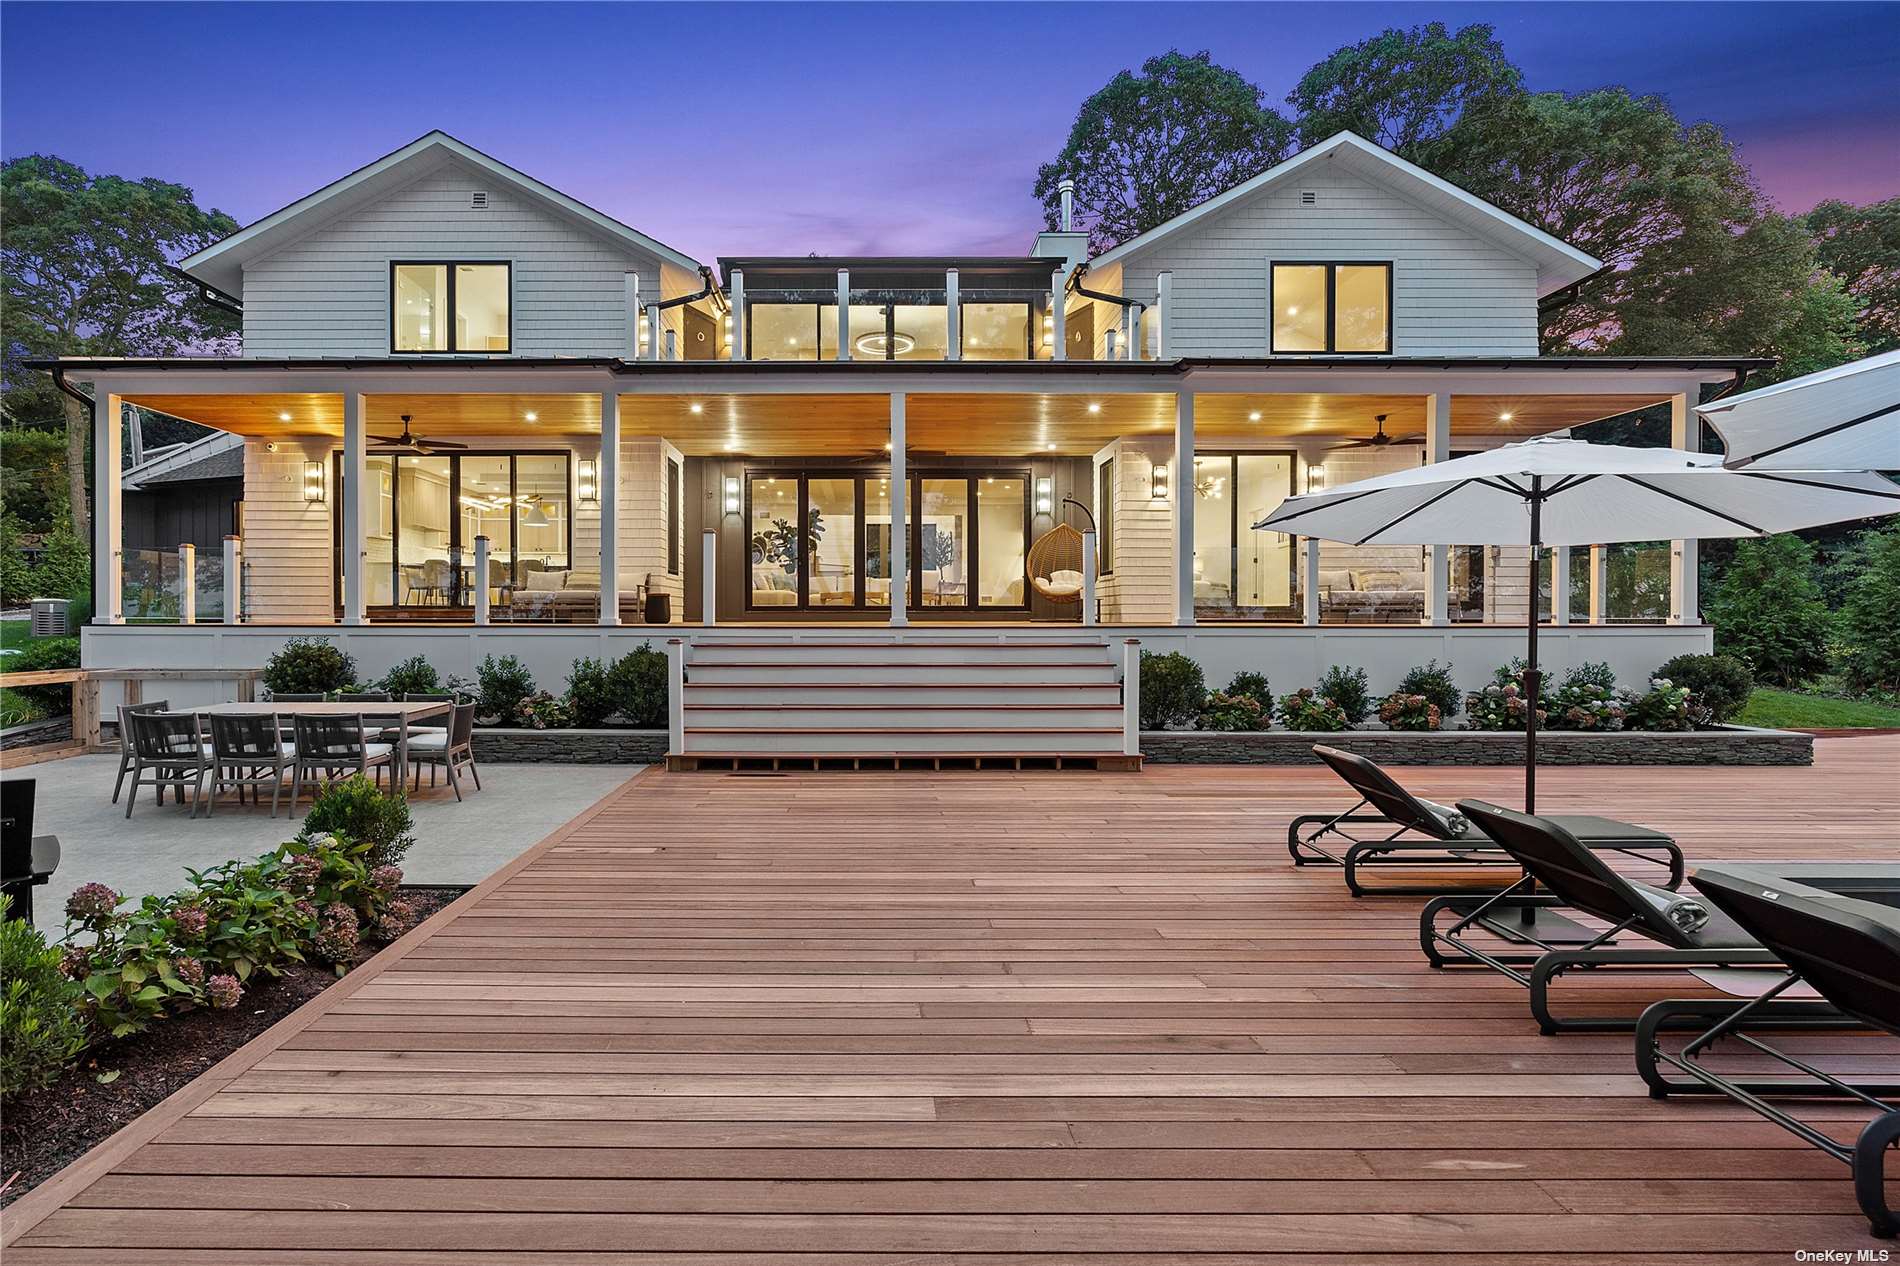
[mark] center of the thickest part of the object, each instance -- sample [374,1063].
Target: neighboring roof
[219,455]
[222,266]
[1558,263]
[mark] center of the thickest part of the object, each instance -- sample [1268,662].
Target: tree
[1405,89]
[1767,611]
[33,477]
[83,260]
[1861,246]
[1148,147]
[1870,621]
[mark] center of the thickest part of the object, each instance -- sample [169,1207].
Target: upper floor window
[449,307]
[1332,307]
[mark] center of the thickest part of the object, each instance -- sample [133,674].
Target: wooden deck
[905,1017]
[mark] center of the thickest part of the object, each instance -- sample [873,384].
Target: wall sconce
[313,481]
[589,481]
[731,488]
[1158,481]
[1316,479]
[1045,495]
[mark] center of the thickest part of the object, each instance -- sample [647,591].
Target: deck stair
[907,698]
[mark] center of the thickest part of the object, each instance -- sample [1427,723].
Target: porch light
[531,416]
[1254,416]
[1315,478]
[1095,406]
[695,407]
[1045,495]
[732,494]
[313,481]
[283,416]
[589,483]
[1158,481]
[1505,416]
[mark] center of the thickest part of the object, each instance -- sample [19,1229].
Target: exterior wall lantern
[1045,495]
[1158,481]
[589,482]
[1316,479]
[313,481]
[730,487]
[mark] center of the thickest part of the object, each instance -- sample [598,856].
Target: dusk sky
[848,129]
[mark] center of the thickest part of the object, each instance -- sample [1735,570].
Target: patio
[779,1018]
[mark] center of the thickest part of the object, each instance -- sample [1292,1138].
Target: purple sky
[849,129]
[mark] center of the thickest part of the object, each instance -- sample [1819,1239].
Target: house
[477,416]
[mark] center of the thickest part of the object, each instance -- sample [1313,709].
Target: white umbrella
[1845,418]
[1566,492]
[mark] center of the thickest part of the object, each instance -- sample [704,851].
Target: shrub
[40,654]
[1721,683]
[1348,688]
[1768,611]
[1253,686]
[309,665]
[637,685]
[41,1030]
[364,814]
[502,682]
[1583,704]
[1591,674]
[1666,706]
[414,676]
[1870,619]
[1404,711]
[64,569]
[1307,709]
[1173,691]
[589,693]
[1502,705]
[542,711]
[1234,712]
[1436,684]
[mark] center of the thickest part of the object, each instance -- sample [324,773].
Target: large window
[1332,308]
[449,307]
[1239,572]
[996,331]
[991,329]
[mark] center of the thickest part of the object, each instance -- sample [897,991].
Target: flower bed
[1723,745]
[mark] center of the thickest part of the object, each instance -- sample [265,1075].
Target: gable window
[1341,308]
[449,307]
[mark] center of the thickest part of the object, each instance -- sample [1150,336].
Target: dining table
[405,712]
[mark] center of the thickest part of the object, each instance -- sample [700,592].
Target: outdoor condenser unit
[50,618]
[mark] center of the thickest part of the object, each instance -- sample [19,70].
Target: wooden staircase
[904,699]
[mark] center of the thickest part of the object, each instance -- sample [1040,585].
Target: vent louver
[1309,198]
[478,200]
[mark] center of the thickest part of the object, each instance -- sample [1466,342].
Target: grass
[14,633]
[1793,710]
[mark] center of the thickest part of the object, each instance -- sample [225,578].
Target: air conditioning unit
[51,617]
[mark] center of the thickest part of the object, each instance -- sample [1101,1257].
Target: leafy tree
[33,477]
[1861,246]
[1870,622]
[1148,147]
[1405,89]
[1767,611]
[65,566]
[16,578]
[83,260]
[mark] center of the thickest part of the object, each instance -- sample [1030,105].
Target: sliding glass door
[1240,573]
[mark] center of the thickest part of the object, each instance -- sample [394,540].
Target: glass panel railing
[209,590]
[1371,584]
[148,586]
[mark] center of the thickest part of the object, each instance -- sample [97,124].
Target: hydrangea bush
[1307,709]
[1231,712]
[1401,711]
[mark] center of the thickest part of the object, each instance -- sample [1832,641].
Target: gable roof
[219,455]
[1558,263]
[222,266]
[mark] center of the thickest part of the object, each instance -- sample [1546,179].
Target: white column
[952,316]
[1437,557]
[1309,581]
[1164,315]
[187,584]
[355,506]
[108,520]
[1560,584]
[900,518]
[1599,585]
[1181,488]
[672,345]
[482,614]
[844,314]
[1088,578]
[1685,606]
[1131,696]
[1058,310]
[1111,343]
[233,581]
[675,695]
[1131,332]
[607,479]
[632,305]
[656,336]
[709,577]
[735,296]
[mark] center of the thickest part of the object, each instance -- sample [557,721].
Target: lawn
[1790,709]
[13,633]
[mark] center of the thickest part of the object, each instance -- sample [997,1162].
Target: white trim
[1542,246]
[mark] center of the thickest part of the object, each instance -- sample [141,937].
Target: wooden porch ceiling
[483,415]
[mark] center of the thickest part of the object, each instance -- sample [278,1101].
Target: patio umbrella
[1566,492]
[1845,418]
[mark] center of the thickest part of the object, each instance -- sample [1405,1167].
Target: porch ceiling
[481,415]
[1294,415]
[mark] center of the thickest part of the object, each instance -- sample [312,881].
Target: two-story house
[480,417]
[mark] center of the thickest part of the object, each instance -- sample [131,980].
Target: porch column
[187,583]
[1309,581]
[1437,557]
[1182,489]
[844,314]
[1164,315]
[952,316]
[735,295]
[709,577]
[632,304]
[655,330]
[108,521]
[355,475]
[233,580]
[900,518]
[482,612]
[1560,585]
[1685,605]
[1058,302]
[608,479]
[1599,585]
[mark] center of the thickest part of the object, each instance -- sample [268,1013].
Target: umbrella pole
[1532,677]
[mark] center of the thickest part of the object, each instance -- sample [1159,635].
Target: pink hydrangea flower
[339,933]
[386,877]
[305,870]
[75,962]
[91,902]
[189,970]
[190,921]
[397,917]
[224,992]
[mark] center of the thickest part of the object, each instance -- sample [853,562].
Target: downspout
[92,491]
[707,289]
[1076,287]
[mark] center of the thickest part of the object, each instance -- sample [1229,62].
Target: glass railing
[151,587]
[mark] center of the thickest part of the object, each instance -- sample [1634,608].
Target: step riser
[768,743]
[897,674]
[702,655]
[847,719]
[899,695]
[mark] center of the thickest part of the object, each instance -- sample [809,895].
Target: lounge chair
[1843,945]
[1415,832]
[1679,933]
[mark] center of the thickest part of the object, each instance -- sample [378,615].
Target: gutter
[1075,286]
[208,292]
[706,290]
[1561,298]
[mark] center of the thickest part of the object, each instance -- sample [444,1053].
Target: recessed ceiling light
[1050,447]
[1254,416]
[696,407]
[1095,406]
[1505,416]
[283,417]
[732,446]
[887,446]
[532,416]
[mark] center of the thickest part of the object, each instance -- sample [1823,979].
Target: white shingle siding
[327,294]
[1455,293]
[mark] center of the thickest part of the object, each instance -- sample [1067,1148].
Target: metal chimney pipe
[1066,188]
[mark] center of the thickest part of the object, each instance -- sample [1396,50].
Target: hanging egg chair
[1055,564]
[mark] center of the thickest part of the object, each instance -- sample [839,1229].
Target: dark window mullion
[969,565]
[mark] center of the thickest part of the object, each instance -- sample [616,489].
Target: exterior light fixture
[1505,416]
[313,481]
[589,489]
[887,446]
[1254,416]
[283,415]
[732,494]
[1045,495]
[1095,406]
[1315,478]
[695,407]
[1158,481]
[531,416]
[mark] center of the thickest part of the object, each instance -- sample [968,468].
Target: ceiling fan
[407,443]
[1379,439]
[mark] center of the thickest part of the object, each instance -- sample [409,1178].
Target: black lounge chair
[1843,945]
[1416,832]
[1680,933]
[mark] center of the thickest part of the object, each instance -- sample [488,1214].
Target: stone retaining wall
[570,747]
[37,733]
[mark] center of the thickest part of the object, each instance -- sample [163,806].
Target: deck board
[976,1017]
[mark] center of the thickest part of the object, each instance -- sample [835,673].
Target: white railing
[676,695]
[1131,696]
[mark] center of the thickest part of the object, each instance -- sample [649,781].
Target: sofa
[1371,595]
[559,596]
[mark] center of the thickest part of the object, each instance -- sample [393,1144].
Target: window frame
[675,486]
[1232,457]
[1332,267]
[451,264]
[1106,472]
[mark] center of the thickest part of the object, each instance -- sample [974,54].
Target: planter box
[570,747]
[1727,745]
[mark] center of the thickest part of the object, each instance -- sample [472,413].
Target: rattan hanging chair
[1055,564]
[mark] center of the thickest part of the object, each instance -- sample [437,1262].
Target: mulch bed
[43,1132]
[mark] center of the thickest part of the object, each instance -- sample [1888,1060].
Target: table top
[411,708]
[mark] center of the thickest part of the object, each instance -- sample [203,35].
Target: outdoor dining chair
[450,749]
[427,696]
[279,696]
[332,747]
[126,754]
[248,751]
[168,750]
[362,696]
